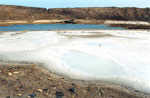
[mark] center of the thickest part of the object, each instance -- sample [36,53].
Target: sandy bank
[14,22]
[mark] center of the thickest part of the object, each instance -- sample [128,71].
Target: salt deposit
[127,22]
[112,56]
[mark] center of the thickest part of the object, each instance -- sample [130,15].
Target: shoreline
[111,23]
[16,72]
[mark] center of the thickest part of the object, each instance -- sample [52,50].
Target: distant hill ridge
[9,12]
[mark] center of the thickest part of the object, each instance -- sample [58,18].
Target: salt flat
[111,56]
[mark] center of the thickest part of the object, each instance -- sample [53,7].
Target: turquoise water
[55,27]
[91,64]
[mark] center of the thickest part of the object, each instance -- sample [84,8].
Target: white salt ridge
[127,22]
[122,60]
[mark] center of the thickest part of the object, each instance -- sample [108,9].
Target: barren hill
[8,12]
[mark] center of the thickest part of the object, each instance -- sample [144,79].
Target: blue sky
[78,3]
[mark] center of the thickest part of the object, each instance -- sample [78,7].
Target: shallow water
[55,27]
[92,64]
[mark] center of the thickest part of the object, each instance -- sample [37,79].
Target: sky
[78,3]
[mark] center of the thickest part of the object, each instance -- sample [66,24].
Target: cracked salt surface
[122,58]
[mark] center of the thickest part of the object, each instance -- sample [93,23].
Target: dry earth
[30,81]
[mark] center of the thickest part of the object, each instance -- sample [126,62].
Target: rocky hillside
[105,13]
[8,12]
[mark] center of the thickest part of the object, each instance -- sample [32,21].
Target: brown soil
[30,81]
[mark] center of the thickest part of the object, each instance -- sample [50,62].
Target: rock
[8,97]
[72,90]
[59,83]
[10,74]
[69,21]
[19,95]
[32,95]
[72,97]
[39,90]
[101,92]
[46,89]
[21,86]
[59,94]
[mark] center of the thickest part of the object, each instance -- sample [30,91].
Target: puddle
[91,64]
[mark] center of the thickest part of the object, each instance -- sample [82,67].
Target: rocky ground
[30,81]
